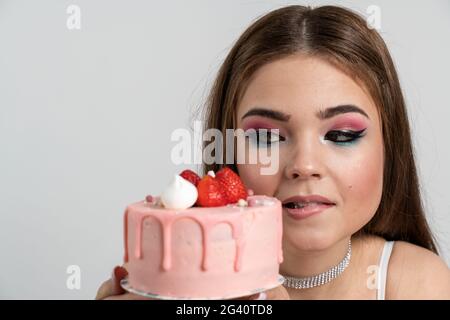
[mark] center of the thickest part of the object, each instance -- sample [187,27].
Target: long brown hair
[343,38]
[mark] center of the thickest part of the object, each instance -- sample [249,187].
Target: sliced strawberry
[232,185]
[210,193]
[190,176]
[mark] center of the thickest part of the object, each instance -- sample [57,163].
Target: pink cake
[203,252]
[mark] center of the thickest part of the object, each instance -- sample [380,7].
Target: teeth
[299,205]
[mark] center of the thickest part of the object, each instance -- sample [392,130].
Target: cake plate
[125,285]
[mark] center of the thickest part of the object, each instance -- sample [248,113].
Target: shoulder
[416,273]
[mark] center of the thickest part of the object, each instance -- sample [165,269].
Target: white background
[86,118]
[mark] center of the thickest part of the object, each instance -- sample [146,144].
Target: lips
[300,207]
[303,200]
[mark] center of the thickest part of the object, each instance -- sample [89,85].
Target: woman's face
[330,144]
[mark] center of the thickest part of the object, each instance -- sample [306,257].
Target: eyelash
[352,136]
[349,135]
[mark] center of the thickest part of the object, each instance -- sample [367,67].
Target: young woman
[353,222]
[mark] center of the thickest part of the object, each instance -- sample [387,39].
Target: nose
[305,162]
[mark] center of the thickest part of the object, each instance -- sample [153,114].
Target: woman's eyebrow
[268,113]
[334,111]
[322,114]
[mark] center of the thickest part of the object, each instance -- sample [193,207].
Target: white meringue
[179,194]
[211,173]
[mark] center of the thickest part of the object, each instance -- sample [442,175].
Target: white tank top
[382,269]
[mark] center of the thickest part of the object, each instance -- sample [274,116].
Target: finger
[262,296]
[112,286]
[118,274]
[105,290]
[278,293]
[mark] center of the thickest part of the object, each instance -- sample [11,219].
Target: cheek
[362,185]
[261,184]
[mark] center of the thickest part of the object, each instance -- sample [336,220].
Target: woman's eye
[344,136]
[264,137]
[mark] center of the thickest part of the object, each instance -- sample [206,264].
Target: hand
[278,293]
[111,289]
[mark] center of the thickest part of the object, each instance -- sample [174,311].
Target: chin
[309,239]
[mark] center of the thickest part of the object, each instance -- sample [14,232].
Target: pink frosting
[249,226]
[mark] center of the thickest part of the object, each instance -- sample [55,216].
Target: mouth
[300,207]
[305,200]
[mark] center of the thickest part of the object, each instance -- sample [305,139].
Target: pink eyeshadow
[259,124]
[350,121]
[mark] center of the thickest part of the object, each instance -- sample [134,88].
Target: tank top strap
[382,269]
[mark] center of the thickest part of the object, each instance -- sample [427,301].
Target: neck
[309,262]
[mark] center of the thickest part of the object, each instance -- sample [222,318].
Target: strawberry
[210,193]
[232,185]
[190,176]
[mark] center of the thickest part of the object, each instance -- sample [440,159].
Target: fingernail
[120,273]
[114,274]
[262,296]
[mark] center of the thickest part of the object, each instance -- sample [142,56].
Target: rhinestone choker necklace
[320,279]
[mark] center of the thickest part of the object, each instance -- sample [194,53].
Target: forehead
[303,84]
